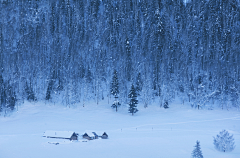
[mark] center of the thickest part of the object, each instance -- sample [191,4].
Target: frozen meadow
[151,133]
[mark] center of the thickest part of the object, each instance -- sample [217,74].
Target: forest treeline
[67,50]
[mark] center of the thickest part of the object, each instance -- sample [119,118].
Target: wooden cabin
[89,135]
[95,134]
[61,135]
[104,136]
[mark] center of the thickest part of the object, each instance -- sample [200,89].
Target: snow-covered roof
[89,133]
[58,134]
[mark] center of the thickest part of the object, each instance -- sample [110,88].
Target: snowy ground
[152,133]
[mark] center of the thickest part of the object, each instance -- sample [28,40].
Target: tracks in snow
[237,118]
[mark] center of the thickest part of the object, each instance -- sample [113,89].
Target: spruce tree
[197,153]
[115,90]
[114,85]
[133,101]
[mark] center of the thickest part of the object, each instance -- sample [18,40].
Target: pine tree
[114,85]
[224,141]
[197,153]
[133,101]
[115,90]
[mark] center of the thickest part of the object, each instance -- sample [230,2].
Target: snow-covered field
[151,133]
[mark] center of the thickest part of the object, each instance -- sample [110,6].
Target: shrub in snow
[224,141]
[115,105]
[165,105]
[197,153]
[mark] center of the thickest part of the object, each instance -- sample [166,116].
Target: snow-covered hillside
[151,133]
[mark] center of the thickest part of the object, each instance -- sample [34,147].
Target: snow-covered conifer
[114,85]
[133,102]
[197,153]
[115,90]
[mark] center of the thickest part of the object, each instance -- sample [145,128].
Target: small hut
[61,135]
[104,136]
[95,135]
[89,135]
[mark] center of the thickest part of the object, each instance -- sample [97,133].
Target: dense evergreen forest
[67,51]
